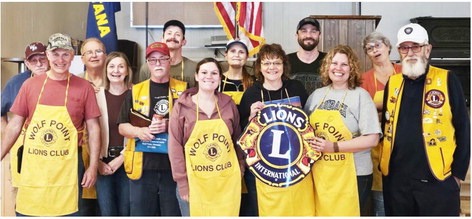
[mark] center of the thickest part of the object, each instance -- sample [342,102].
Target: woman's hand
[104,169]
[116,163]
[322,145]
[183,194]
[255,107]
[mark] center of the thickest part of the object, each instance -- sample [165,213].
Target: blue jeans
[183,205]
[154,194]
[113,193]
[364,186]
[87,207]
[378,203]
[249,205]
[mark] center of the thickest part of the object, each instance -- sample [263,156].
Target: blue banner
[101,23]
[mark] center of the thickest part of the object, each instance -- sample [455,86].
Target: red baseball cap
[157,47]
[34,49]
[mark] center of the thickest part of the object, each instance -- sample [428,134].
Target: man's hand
[158,126]
[90,177]
[458,181]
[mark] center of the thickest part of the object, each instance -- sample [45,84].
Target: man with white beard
[426,144]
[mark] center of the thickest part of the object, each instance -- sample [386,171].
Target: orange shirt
[368,82]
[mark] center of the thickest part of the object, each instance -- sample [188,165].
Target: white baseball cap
[412,33]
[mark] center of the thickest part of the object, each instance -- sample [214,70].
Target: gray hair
[374,37]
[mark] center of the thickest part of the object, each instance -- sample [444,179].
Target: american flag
[248,27]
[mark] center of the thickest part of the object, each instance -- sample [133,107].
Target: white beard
[414,70]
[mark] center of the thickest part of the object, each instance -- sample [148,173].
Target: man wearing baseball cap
[181,68]
[426,144]
[37,64]
[56,106]
[144,121]
[306,62]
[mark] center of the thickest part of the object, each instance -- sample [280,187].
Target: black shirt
[253,94]
[307,73]
[409,156]
[159,93]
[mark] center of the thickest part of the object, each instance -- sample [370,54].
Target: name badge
[156,145]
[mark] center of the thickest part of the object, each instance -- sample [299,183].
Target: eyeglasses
[414,48]
[38,61]
[371,48]
[97,52]
[161,61]
[267,64]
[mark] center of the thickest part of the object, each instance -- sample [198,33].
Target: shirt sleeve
[236,132]
[176,149]
[91,106]
[461,123]
[123,117]
[20,105]
[7,98]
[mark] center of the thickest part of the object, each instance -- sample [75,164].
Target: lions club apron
[49,181]
[235,95]
[213,172]
[334,174]
[286,201]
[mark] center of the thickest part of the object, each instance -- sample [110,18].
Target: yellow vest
[133,160]
[438,130]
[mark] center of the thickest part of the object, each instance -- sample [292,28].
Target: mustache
[157,68]
[172,40]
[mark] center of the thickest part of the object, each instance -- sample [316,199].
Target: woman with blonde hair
[346,127]
[112,182]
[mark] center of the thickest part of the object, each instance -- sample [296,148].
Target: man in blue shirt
[37,63]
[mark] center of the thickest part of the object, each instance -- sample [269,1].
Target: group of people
[166,144]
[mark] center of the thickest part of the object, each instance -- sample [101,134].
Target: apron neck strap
[326,94]
[44,84]
[281,96]
[216,105]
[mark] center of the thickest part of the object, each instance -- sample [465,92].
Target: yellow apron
[235,95]
[49,181]
[334,174]
[375,152]
[213,172]
[296,200]
[286,201]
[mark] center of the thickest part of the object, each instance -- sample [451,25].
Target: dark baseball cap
[174,23]
[34,48]
[308,20]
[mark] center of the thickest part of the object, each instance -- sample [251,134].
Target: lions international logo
[212,152]
[276,145]
[162,107]
[49,137]
[435,98]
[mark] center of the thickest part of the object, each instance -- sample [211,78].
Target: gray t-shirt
[358,113]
